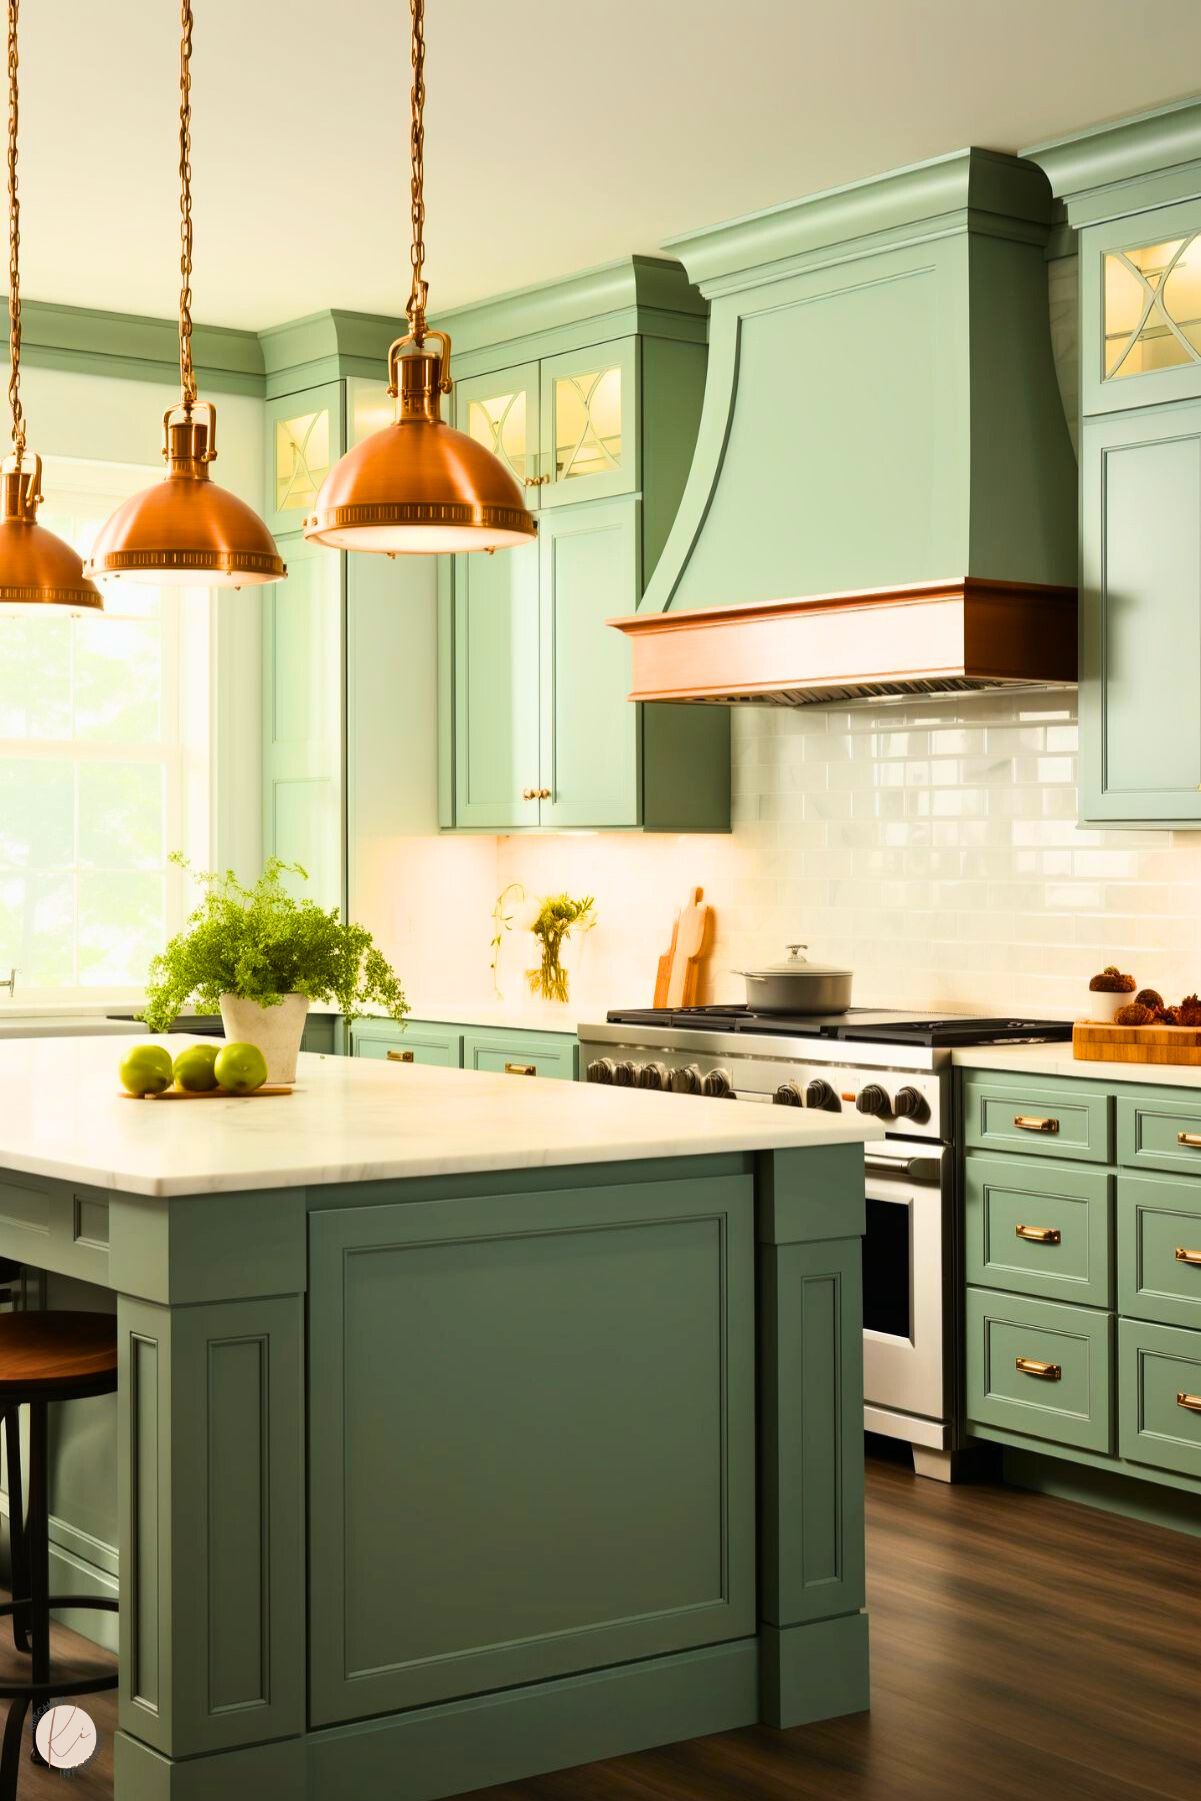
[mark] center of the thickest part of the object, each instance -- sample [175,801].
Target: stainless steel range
[897,1068]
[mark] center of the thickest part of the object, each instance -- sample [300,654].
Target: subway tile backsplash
[930,845]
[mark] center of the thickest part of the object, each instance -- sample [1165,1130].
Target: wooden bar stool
[45,1357]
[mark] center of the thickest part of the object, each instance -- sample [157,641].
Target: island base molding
[784,1678]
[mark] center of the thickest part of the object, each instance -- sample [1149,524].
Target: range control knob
[625,1075]
[602,1070]
[718,1084]
[788,1094]
[872,1099]
[686,1081]
[820,1094]
[910,1104]
[653,1075]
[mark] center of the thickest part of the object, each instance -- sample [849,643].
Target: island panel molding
[640,1543]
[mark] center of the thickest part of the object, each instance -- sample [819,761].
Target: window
[97,781]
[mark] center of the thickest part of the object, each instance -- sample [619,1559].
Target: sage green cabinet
[590,390]
[500,410]
[494,699]
[503,1050]
[1140,618]
[1159,1376]
[303,719]
[1039,1369]
[521,1054]
[350,649]
[1140,297]
[589,732]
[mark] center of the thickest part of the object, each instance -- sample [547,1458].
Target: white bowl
[1102,1007]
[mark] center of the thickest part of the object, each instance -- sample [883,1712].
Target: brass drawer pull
[1039,1234]
[521,1069]
[535,481]
[1192,1402]
[1025,1123]
[1030,1366]
[1192,1139]
[1184,1255]
[400,1056]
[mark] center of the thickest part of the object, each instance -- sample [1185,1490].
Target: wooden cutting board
[206,1094]
[679,978]
[1136,1044]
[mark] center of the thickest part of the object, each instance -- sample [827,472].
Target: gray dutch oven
[797,986]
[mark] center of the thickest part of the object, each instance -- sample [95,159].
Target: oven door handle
[917,1169]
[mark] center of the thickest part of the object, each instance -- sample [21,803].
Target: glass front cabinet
[536,727]
[1141,302]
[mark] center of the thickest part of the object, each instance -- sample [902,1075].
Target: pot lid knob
[793,952]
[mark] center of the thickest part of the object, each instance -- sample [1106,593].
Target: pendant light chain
[417,299]
[14,246]
[187,375]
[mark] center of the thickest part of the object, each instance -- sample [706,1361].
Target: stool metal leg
[10,1752]
[16,1526]
[38,1550]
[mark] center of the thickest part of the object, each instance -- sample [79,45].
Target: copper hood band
[965,632]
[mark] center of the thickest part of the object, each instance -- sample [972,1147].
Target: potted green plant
[259,956]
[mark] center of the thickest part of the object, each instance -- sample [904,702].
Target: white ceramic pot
[276,1030]
[1102,1005]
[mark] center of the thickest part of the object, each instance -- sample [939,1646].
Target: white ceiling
[559,135]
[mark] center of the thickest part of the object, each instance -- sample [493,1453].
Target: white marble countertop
[62,1114]
[1057,1060]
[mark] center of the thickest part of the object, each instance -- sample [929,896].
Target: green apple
[146,1069]
[194,1070]
[240,1068]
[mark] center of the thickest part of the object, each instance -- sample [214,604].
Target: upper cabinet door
[500,411]
[1140,601]
[1140,296]
[495,687]
[304,441]
[590,728]
[589,423]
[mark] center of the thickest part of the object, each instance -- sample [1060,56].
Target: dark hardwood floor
[1021,1647]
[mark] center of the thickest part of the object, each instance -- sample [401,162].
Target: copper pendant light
[418,486]
[186,531]
[36,568]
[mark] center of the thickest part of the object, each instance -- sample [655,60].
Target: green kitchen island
[467,1427]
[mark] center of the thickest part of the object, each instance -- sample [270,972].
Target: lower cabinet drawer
[1038,1227]
[436,1045]
[1161,1130]
[1039,1118]
[1039,1368]
[1159,1411]
[1159,1249]
[520,1056]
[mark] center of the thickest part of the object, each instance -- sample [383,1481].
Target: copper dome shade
[36,568]
[419,486]
[185,530]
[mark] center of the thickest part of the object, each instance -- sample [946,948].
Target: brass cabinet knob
[544,794]
[529,794]
[535,481]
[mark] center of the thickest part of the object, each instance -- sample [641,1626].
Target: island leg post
[813,1636]
[211,1488]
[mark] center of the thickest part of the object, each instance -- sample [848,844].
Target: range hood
[881,408]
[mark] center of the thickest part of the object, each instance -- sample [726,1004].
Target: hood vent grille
[949,637]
